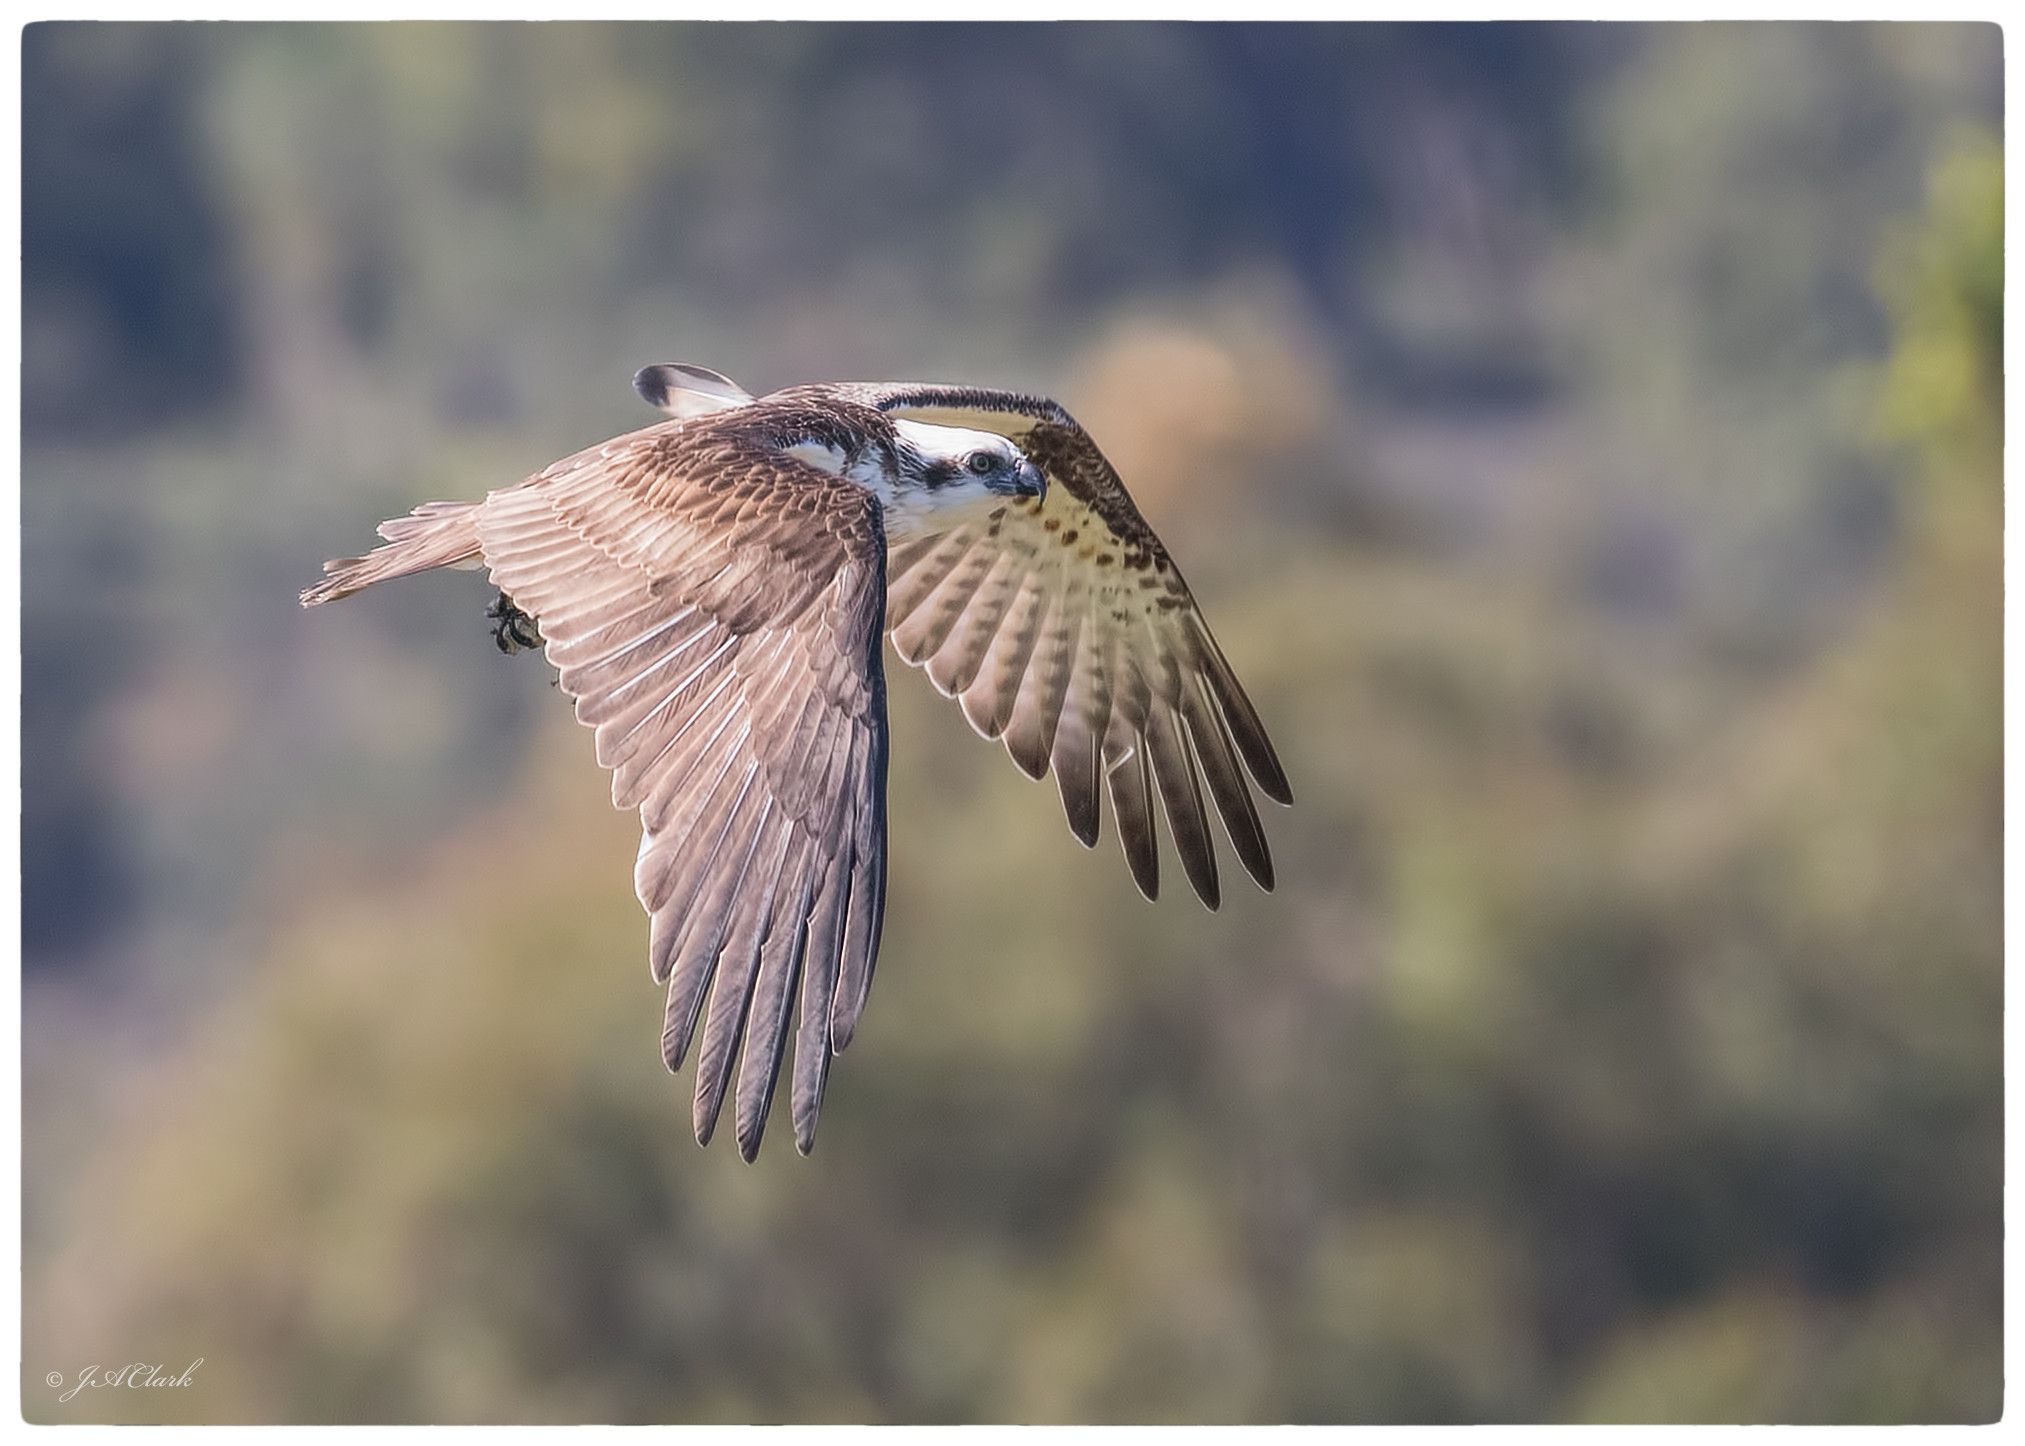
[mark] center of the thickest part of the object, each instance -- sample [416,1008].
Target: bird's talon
[512,629]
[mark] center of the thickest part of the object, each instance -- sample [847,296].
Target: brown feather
[925,571]
[1037,708]
[954,666]
[1116,610]
[928,625]
[1174,770]
[1133,807]
[737,972]
[1209,741]
[988,700]
[773,997]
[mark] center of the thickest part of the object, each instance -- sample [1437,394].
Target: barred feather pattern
[1062,626]
[714,608]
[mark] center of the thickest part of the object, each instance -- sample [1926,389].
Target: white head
[946,475]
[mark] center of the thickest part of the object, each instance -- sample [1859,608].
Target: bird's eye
[981,463]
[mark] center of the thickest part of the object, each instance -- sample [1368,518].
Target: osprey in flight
[713,590]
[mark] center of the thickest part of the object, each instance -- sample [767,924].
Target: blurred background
[1585,441]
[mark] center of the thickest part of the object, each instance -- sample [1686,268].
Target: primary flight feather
[713,590]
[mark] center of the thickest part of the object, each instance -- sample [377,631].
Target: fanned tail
[436,534]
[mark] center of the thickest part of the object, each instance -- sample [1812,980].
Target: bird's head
[945,474]
[928,477]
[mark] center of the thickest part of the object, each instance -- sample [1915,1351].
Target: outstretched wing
[1064,627]
[714,609]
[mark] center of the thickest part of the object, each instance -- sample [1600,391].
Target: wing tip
[1022,752]
[683,389]
[807,1111]
[676,1037]
[1081,806]
[708,1108]
[1256,855]
[1261,760]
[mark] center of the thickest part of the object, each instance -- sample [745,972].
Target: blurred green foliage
[1586,443]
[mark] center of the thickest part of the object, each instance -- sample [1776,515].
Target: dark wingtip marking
[1145,868]
[1085,830]
[1261,761]
[1035,767]
[654,383]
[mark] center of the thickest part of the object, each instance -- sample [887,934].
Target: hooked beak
[1028,481]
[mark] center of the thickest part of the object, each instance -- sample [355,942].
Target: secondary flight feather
[712,591]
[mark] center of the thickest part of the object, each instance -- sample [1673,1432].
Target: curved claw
[512,629]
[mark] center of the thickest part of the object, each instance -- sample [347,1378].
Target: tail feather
[436,534]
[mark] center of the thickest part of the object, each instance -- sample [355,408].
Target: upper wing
[714,609]
[1066,627]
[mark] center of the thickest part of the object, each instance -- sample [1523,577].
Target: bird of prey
[713,590]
